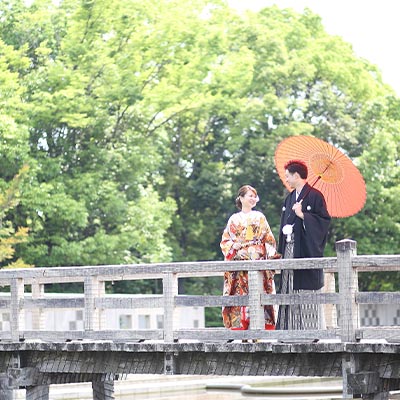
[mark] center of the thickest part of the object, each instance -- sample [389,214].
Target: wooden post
[101,314]
[103,390]
[348,314]
[38,321]
[37,392]
[17,316]
[330,309]
[89,303]
[93,288]
[170,290]
[6,393]
[256,310]
[348,287]
[348,369]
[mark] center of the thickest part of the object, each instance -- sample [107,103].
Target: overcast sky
[372,27]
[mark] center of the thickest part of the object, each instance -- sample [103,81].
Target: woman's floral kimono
[258,243]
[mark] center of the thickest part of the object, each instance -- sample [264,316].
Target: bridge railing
[94,300]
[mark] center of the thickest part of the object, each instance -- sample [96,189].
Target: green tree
[94,162]
[10,236]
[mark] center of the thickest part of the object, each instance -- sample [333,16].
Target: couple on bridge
[302,234]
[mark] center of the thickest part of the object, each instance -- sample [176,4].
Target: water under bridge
[367,359]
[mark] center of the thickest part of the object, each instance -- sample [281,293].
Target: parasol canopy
[329,170]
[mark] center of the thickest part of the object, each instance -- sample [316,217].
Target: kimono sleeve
[316,228]
[228,239]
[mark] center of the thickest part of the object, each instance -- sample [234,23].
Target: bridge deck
[38,364]
[367,358]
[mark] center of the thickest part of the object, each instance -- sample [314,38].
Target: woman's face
[249,200]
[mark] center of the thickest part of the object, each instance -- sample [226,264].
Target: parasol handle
[317,179]
[309,190]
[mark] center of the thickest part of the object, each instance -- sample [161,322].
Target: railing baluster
[93,288]
[38,320]
[17,312]
[348,286]
[101,315]
[170,290]
[256,309]
[349,319]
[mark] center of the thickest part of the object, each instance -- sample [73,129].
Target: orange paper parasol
[329,170]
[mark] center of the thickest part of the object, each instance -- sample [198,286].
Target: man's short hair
[297,166]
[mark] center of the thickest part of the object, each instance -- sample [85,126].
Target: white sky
[371,26]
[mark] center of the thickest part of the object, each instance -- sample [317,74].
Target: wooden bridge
[366,358]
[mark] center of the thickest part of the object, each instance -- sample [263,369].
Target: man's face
[291,179]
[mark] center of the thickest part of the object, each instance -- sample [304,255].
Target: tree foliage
[11,237]
[139,121]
